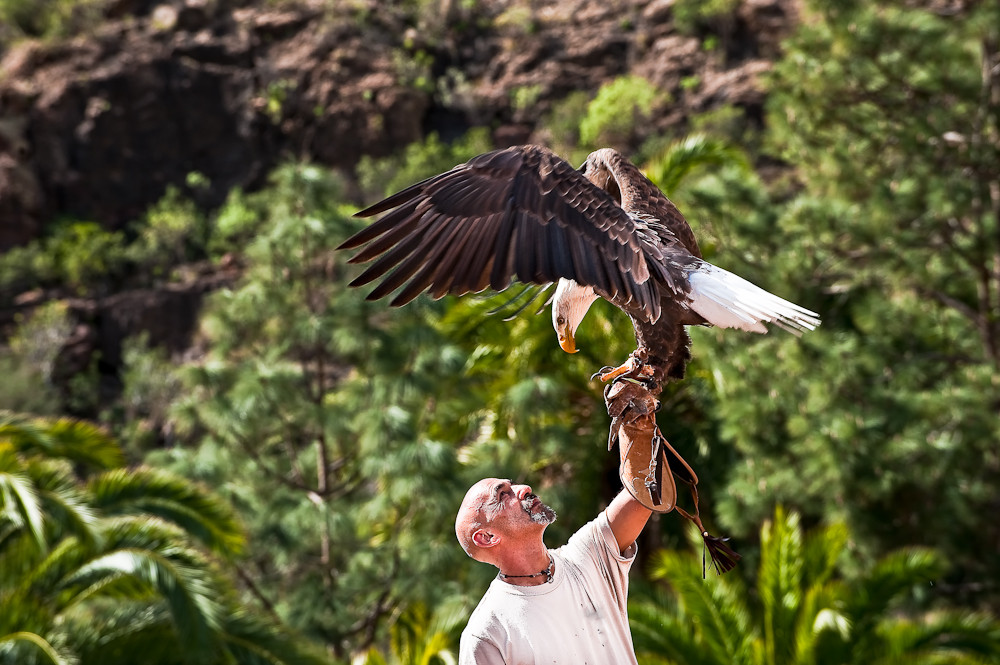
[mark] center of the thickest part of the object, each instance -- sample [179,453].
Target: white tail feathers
[729,301]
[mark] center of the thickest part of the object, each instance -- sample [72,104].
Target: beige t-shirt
[579,618]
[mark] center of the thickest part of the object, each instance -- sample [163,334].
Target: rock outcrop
[97,127]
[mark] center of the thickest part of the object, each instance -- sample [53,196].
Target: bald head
[471,514]
[494,511]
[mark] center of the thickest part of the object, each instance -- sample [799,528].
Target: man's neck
[526,561]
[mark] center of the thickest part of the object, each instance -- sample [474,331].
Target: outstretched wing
[521,212]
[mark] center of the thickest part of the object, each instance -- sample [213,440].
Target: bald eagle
[603,230]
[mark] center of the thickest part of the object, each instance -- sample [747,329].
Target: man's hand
[627,518]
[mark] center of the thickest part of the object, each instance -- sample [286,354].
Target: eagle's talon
[601,372]
[634,369]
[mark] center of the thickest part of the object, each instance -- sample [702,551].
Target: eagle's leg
[633,368]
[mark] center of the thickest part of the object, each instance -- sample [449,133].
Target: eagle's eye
[560,321]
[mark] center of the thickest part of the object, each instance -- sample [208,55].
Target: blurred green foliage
[49,18]
[102,564]
[618,111]
[690,16]
[79,258]
[28,362]
[344,432]
[801,609]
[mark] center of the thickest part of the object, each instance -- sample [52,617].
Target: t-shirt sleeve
[594,545]
[474,650]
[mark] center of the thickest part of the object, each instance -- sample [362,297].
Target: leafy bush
[28,363]
[49,18]
[24,268]
[690,15]
[173,232]
[86,255]
[80,256]
[618,109]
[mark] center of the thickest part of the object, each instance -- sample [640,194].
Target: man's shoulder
[485,619]
[587,537]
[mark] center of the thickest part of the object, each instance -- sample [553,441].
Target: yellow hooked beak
[567,342]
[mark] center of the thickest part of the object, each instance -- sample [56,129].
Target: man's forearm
[627,518]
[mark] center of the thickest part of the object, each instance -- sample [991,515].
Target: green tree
[116,565]
[308,408]
[887,415]
[800,611]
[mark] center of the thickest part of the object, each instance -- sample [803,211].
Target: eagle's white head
[569,305]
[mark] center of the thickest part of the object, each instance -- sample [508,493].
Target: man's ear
[483,538]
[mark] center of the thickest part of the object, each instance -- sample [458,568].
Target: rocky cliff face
[98,126]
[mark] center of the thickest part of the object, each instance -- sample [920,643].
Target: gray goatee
[545,515]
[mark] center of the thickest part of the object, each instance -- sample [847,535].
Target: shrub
[618,109]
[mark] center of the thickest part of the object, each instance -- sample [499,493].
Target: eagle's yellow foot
[634,369]
[627,368]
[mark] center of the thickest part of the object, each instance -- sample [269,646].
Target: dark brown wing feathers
[520,212]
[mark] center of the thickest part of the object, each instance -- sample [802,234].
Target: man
[566,605]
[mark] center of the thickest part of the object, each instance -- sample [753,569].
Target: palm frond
[822,631]
[66,506]
[75,440]
[717,605]
[891,577]
[779,582]
[12,649]
[661,636]
[203,515]
[187,590]
[251,641]
[115,631]
[820,552]
[20,504]
[682,157]
[950,633]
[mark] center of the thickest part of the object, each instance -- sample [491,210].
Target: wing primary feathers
[405,266]
[560,259]
[423,279]
[583,264]
[406,227]
[379,227]
[524,258]
[506,241]
[469,273]
[401,197]
[533,291]
[384,264]
[527,303]
[407,257]
[455,248]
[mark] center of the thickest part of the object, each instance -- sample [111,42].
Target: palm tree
[420,637]
[101,564]
[670,168]
[801,613]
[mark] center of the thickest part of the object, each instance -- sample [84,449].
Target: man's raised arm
[627,518]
